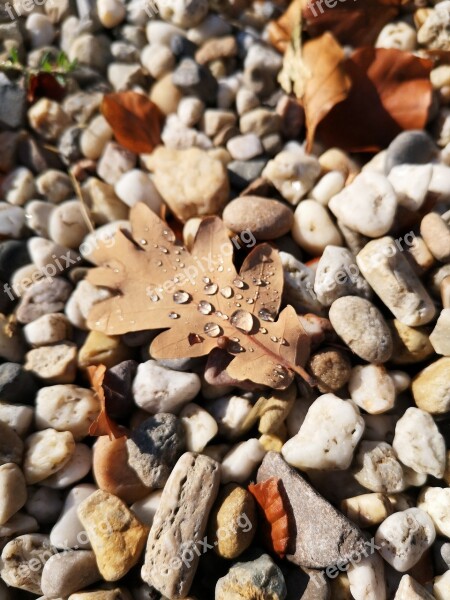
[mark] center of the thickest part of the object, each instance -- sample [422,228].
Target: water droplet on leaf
[181,297]
[242,320]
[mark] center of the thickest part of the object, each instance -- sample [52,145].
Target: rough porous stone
[377,468]
[260,578]
[18,558]
[182,518]
[323,535]
[46,452]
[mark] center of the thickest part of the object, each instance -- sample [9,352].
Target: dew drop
[242,320]
[174,315]
[181,297]
[283,342]
[265,315]
[206,280]
[258,282]
[220,268]
[251,349]
[144,242]
[238,304]
[238,283]
[239,296]
[262,330]
[153,296]
[164,250]
[205,307]
[212,330]
[227,292]
[159,263]
[115,270]
[235,339]
[250,301]
[274,338]
[210,289]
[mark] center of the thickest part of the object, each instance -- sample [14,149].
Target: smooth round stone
[17,417]
[44,504]
[400,36]
[137,186]
[14,491]
[46,452]
[53,364]
[54,185]
[242,460]
[67,224]
[245,147]
[82,300]
[18,187]
[431,389]
[154,447]
[190,110]
[40,30]
[11,446]
[211,26]
[411,344]
[427,457]
[291,172]
[70,572]
[367,510]
[199,426]
[410,147]
[436,502]
[16,560]
[78,467]
[111,12]
[146,508]
[404,537]
[440,336]
[411,184]
[68,532]
[372,388]
[313,229]
[235,513]
[362,327]
[43,297]
[38,214]
[435,232]
[94,138]
[16,384]
[327,187]
[184,13]
[12,220]
[267,219]
[158,59]
[230,413]
[47,330]
[112,471]
[44,253]
[331,368]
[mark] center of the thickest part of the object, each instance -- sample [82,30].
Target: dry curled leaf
[267,494]
[135,120]
[200,299]
[45,85]
[103,424]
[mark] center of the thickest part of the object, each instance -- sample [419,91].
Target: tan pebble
[335,159]
[46,452]
[420,255]
[368,509]
[53,364]
[114,594]
[331,369]
[411,344]
[271,410]
[440,336]
[14,491]
[116,536]
[103,202]
[166,95]
[431,389]
[436,234]
[445,292]
[112,472]
[272,442]
[101,349]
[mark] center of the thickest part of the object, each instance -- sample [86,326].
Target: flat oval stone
[267,219]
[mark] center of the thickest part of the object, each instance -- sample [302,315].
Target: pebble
[362,327]
[123,76]
[258,578]
[44,504]
[313,229]
[76,469]
[158,60]
[40,30]
[243,173]
[17,417]
[199,427]
[53,364]
[245,147]
[372,388]
[146,508]
[82,300]
[38,215]
[367,578]
[367,510]
[48,119]
[94,138]
[441,586]
[176,136]
[292,173]
[368,205]
[19,555]
[159,32]
[435,501]
[399,36]
[157,389]
[217,48]
[99,348]
[66,573]
[184,13]
[266,219]
[68,532]
[404,537]
[411,184]
[393,279]
[211,26]
[262,122]
[18,187]
[11,446]
[323,536]
[215,120]
[117,387]
[331,368]
[187,499]
[11,341]
[48,329]
[190,110]
[230,413]
[232,525]
[409,589]
[112,472]
[16,384]
[338,275]
[430,387]
[411,344]
[271,410]
[328,436]
[17,525]
[46,452]
[12,222]
[154,447]
[201,181]
[418,443]
[261,66]
[115,162]
[328,186]
[195,80]
[434,31]
[435,232]
[116,536]
[242,460]
[110,13]
[67,224]
[377,468]
[166,95]
[440,336]
[412,148]
[14,491]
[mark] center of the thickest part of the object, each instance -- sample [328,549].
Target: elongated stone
[179,526]
[323,536]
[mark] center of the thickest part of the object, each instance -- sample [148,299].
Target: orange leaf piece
[267,495]
[135,120]
[103,425]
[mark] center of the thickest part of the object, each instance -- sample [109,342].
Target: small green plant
[60,68]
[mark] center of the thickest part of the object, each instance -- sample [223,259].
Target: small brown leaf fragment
[199,299]
[103,425]
[135,120]
[44,85]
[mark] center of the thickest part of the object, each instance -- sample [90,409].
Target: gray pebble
[242,173]
[43,297]
[260,578]
[410,147]
[196,80]
[11,446]
[64,574]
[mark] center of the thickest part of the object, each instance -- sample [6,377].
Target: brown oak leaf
[267,494]
[200,299]
[135,120]
[45,85]
[103,424]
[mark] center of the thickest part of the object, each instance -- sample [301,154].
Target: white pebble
[158,59]
[377,468]
[190,110]
[78,467]
[45,453]
[293,174]
[38,214]
[411,183]
[12,220]
[328,436]
[230,412]
[245,147]
[94,138]
[327,187]
[366,578]
[67,225]
[68,532]
[48,329]
[398,35]
[82,300]
[404,537]
[435,501]
[409,589]
[441,586]
[51,257]
[145,509]
[313,229]
[18,187]
[111,12]
[371,387]
[137,186]
[419,444]
[199,426]
[241,461]
[40,30]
